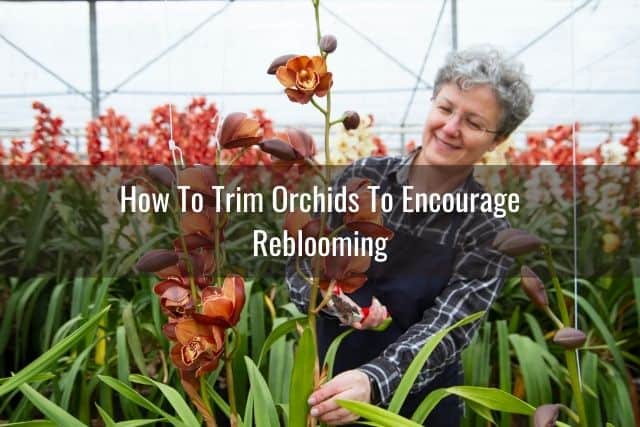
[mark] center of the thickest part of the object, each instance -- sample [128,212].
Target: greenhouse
[319,212]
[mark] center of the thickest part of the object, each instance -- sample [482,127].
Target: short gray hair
[487,65]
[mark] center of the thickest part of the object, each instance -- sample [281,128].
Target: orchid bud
[162,174]
[278,62]
[546,415]
[514,242]
[328,43]
[156,260]
[569,338]
[533,287]
[351,120]
[278,148]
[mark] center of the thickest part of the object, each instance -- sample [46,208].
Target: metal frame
[96,95]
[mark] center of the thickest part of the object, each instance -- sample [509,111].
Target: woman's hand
[377,314]
[349,385]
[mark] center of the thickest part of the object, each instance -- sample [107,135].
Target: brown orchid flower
[365,220]
[224,303]
[290,147]
[202,265]
[304,77]
[199,179]
[349,272]
[175,297]
[201,224]
[199,346]
[238,130]
[296,220]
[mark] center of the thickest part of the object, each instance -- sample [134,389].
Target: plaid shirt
[477,277]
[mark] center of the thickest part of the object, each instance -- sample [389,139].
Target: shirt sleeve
[478,274]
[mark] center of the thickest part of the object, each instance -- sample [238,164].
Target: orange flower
[238,130]
[223,304]
[199,346]
[304,77]
[365,220]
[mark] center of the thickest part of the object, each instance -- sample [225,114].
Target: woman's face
[454,133]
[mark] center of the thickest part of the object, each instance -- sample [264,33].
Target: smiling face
[454,133]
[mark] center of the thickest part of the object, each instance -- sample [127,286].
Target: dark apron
[408,283]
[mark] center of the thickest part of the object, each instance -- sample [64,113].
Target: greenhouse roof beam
[598,60]
[172,46]
[403,121]
[613,91]
[379,48]
[45,68]
[551,28]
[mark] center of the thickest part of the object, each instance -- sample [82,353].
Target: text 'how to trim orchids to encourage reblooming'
[304,241]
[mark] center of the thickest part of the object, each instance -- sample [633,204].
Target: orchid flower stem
[562,306]
[326,298]
[316,169]
[316,5]
[571,359]
[232,161]
[326,112]
[233,418]
[571,414]
[553,317]
[270,307]
[337,231]
[318,107]
[237,339]
[205,394]
[183,245]
[337,121]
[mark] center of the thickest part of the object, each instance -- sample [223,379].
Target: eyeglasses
[470,124]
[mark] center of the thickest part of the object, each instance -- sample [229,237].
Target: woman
[441,267]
